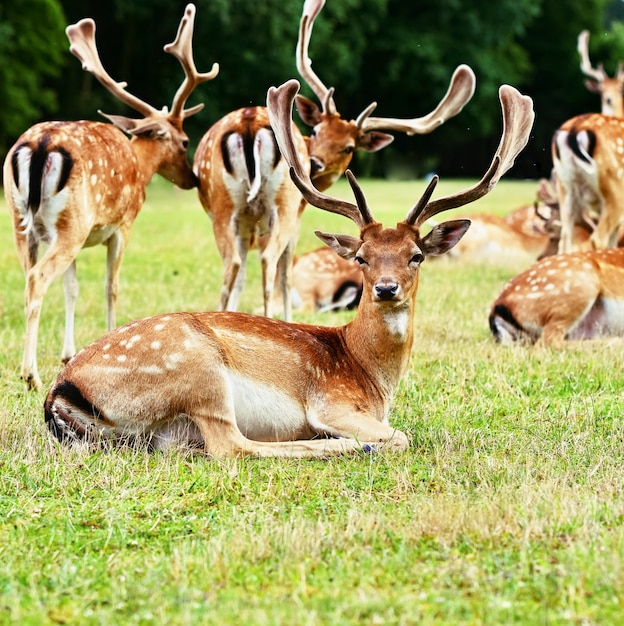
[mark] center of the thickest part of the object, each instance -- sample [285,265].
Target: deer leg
[70,286]
[54,263]
[285,266]
[237,276]
[115,247]
[223,439]
[606,232]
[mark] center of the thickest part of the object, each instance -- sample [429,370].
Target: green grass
[507,508]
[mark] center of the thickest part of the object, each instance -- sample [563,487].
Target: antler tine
[279,104]
[518,116]
[182,49]
[586,67]
[82,39]
[311,9]
[460,90]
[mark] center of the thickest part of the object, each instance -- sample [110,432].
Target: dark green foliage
[400,54]
[32,46]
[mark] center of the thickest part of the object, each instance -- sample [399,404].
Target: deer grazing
[244,185]
[564,297]
[611,89]
[587,153]
[236,384]
[78,184]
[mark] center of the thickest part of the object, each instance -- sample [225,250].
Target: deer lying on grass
[238,384]
[324,281]
[244,185]
[564,297]
[78,184]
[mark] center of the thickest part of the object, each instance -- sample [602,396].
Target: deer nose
[386,290]
[316,166]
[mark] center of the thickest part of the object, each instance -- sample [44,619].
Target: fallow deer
[324,281]
[588,158]
[244,186]
[237,384]
[333,140]
[78,184]
[611,89]
[587,153]
[564,297]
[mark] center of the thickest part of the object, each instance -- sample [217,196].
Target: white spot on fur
[121,358]
[173,360]
[155,345]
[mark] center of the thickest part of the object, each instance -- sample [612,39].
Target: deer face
[390,258]
[175,165]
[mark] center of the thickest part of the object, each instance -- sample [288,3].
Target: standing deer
[237,384]
[587,155]
[588,159]
[564,297]
[78,184]
[244,185]
[333,140]
[611,90]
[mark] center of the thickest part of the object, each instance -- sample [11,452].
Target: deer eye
[360,260]
[185,143]
[417,258]
[348,149]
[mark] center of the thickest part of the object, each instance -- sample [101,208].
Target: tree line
[399,54]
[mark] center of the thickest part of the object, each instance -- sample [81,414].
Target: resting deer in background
[78,184]
[237,384]
[244,185]
[565,297]
[587,153]
[611,90]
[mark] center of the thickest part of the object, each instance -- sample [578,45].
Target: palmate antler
[82,39]
[518,119]
[460,91]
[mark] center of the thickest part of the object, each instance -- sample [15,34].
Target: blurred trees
[400,54]
[32,51]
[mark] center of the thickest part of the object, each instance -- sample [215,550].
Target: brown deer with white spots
[77,184]
[563,297]
[334,140]
[611,89]
[588,158]
[324,281]
[237,384]
[244,185]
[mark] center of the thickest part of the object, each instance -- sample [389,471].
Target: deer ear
[443,237]
[374,140]
[343,245]
[308,111]
[593,86]
[139,128]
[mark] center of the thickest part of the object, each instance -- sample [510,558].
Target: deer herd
[216,380]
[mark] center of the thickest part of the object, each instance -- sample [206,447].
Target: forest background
[400,54]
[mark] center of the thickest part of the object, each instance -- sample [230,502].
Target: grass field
[507,508]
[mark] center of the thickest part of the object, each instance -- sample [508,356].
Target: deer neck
[381,338]
[148,159]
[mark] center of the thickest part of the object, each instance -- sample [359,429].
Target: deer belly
[604,319]
[265,412]
[99,235]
